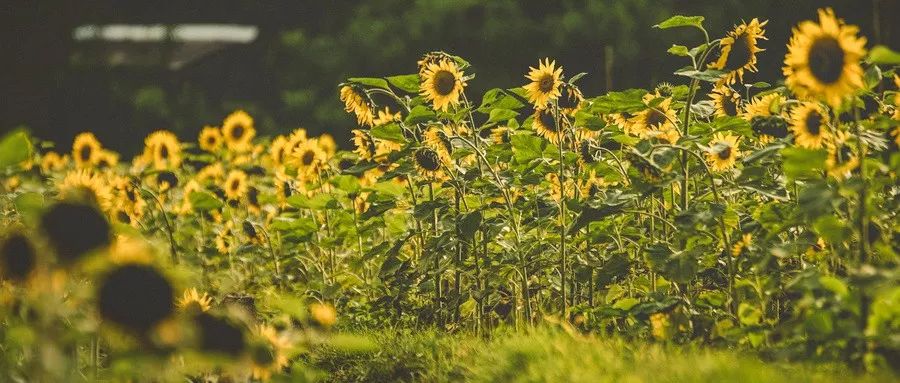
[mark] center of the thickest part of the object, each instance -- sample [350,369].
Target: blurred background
[124,69]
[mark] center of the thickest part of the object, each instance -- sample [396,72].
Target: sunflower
[571,98]
[235,185]
[239,131]
[428,162]
[210,139]
[823,59]
[557,188]
[810,125]
[58,223]
[84,184]
[267,352]
[128,198]
[107,159]
[323,314]
[655,121]
[590,186]
[193,302]
[225,240]
[52,161]
[18,257]
[86,150]
[383,151]
[726,101]
[276,150]
[741,246]
[737,51]
[283,187]
[356,101]
[442,84]
[163,148]
[771,104]
[327,144]
[365,145]
[501,135]
[212,172]
[723,151]
[385,116]
[432,58]
[438,138]
[545,124]
[309,159]
[545,83]
[841,158]
[136,297]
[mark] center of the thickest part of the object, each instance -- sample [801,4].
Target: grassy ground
[555,356]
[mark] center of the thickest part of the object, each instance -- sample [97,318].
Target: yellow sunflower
[268,352]
[210,139]
[356,101]
[740,247]
[385,116]
[225,240]
[431,58]
[192,302]
[655,121]
[163,148]
[428,162]
[211,173]
[84,184]
[841,160]
[723,151]
[276,150]
[239,131]
[327,144]
[570,99]
[501,135]
[107,159]
[235,185]
[364,144]
[85,150]
[823,59]
[557,188]
[442,84]
[383,150]
[769,105]
[545,83]
[309,159]
[545,124]
[52,161]
[727,102]
[438,138]
[738,51]
[810,125]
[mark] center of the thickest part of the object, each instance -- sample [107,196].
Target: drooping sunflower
[52,161]
[192,302]
[85,150]
[545,124]
[442,84]
[364,144]
[385,116]
[723,151]
[810,125]
[267,352]
[428,162]
[239,131]
[726,101]
[356,101]
[842,159]
[570,99]
[501,135]
[823,59]
[737,51]
[210,139]
[235,185]
[545,84]
[18,257]
[163,148]
[438,138]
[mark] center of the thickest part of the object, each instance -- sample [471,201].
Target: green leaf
[527,147]
[709,75]
[883,55]
[29,204]
[347,183]
[501,115]
[390,132]
[204,201]
[628,101]
[407,82]
[625,304]
[320,201]
[469,224]
[681,21]
[15,148]
[418,115]
[749,314]
[679,50]
[500,98]
[370,81]
[831,229]
[800,163]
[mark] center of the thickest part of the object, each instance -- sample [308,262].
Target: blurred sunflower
[93,230]
[810,125]
[164,149]
[327,144]
[654,121]
[276,150]
[253,204]
[442,84]
[737,51]
[741,246]
[52,161]
[211,173]
[309,159]
[841,160]
[723,151]
[545,83]
[545,124]
[385,116]
[727,102]
[18,257]
[823,59]
[364,144]
[107,159]
[501,135]
[225,240]
[86,185]
[210,139]
[766,115]
[356,101]
[267,352]
[136,297]
[85,150]
[557,188]
[239,131]
[427,162]
[192,302]
[235,185]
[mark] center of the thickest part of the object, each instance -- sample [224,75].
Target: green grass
[546,355]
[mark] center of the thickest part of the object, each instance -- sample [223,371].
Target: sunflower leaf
[204,201]
[709,75]
[500,115]
[372,82]
[681,21]
[419,114]
[390,132]
[883,55]
[679,50]
[15,148]
[407,82]
[627,101]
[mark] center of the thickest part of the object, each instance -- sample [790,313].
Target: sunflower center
[211,140]
[262,354]
[307,158]
[428,159]
[814,123]
[444,82]
[725,153]
[546,83]
[741,52]
[237,132]
[826,60]
[730,105]
[655,118]
[85,153]
[164,151]
[234,185]
[548,121]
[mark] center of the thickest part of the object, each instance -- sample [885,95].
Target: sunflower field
[708,213]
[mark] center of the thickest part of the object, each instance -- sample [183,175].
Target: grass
[546,355]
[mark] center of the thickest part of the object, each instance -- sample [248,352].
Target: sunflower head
[219,335]
[545,84]
[737,51]
[655,121]
[810,125]
[842,160]
[432,58]
[385,117]
[501,135]
[427,161]
[75,229]
[438,138]
[442,84]
[742,245]
[722,152]
[309,159]
[823,59]
[210,139]
[235,185]
[164,149]
[364,144]
[136,297]
[267,352]
[52,161]
[546,125]
[356,101]
[86,150]
[586,152]
[727,102]
[192,302]
[238,131]
[18,257]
